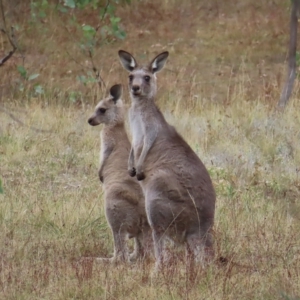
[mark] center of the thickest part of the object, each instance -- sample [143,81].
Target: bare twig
[288,87]
[103,16]
[105,9]
[76,61]
[99,79]
[101,21]
[7,57]
[11,37]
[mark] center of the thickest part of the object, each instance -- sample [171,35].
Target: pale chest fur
[145,125]
[137,127]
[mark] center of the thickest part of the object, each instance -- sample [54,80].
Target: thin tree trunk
[288,87]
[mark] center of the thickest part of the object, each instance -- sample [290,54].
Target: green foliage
[106,31]
[39,9]
[109,23]
[88,31]
[74,96]
[70,3]
[82,4]
[87,79]
[24,74]
[26,78]
[38,89]
[115,29]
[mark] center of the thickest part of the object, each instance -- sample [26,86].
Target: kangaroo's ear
[116,92]
[127,60]
[159,62]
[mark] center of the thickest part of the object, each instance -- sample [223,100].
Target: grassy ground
[220,87]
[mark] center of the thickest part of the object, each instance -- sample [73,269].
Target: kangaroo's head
[109,110]
[142,80]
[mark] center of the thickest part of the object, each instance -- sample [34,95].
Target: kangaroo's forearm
[131,158]
[148,143]
[131,168]
[143,155]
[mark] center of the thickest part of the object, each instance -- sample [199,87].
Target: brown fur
[124,200]
[180,198]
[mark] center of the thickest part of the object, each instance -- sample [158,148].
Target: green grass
[220,89]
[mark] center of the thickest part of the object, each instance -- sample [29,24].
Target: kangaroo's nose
[91,121]
[135,88]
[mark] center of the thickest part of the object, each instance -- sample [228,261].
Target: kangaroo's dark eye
[102,110]
[130,77]
[147,78]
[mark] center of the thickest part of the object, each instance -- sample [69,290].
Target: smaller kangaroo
[179,194]
[124,199]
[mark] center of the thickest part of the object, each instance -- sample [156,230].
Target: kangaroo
[179,194]
[124,199]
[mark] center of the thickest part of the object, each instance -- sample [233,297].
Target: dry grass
[219,89]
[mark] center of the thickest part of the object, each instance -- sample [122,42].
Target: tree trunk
[288,87]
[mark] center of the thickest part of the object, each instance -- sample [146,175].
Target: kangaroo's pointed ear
[116,92]
[127,60]
[159,62]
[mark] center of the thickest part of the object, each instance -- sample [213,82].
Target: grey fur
[124,199]
[180,198]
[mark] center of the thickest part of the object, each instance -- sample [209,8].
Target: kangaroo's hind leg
[200,242]
[120,249]
[138,250]
[143,245]
[159,248]
[118,224]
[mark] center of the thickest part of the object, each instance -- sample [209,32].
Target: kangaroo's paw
[132,172]
[140,176]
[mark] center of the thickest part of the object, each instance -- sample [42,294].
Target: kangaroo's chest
[106,143]
[137,128]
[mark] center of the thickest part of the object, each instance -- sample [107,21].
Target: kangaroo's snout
[92,122]
[135,89]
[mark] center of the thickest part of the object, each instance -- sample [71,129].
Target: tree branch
[11,37]
[7,57]
[99,79]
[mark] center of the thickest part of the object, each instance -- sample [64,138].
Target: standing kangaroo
[124,199]
[179,195]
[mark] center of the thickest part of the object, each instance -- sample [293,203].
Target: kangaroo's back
[117,182]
